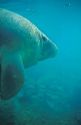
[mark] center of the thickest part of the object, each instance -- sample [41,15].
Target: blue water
[51,94]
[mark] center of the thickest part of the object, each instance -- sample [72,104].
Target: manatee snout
[48,49]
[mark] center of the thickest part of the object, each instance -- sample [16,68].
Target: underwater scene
[51,93]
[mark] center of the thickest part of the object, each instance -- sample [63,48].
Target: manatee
[22,45]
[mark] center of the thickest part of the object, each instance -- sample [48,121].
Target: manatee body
[22,45]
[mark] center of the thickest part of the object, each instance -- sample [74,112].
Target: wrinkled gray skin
[22,45]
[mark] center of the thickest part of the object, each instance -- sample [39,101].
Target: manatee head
[48,48]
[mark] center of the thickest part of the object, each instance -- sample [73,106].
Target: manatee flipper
[12,75]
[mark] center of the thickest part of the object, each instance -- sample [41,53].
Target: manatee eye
[44,38]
